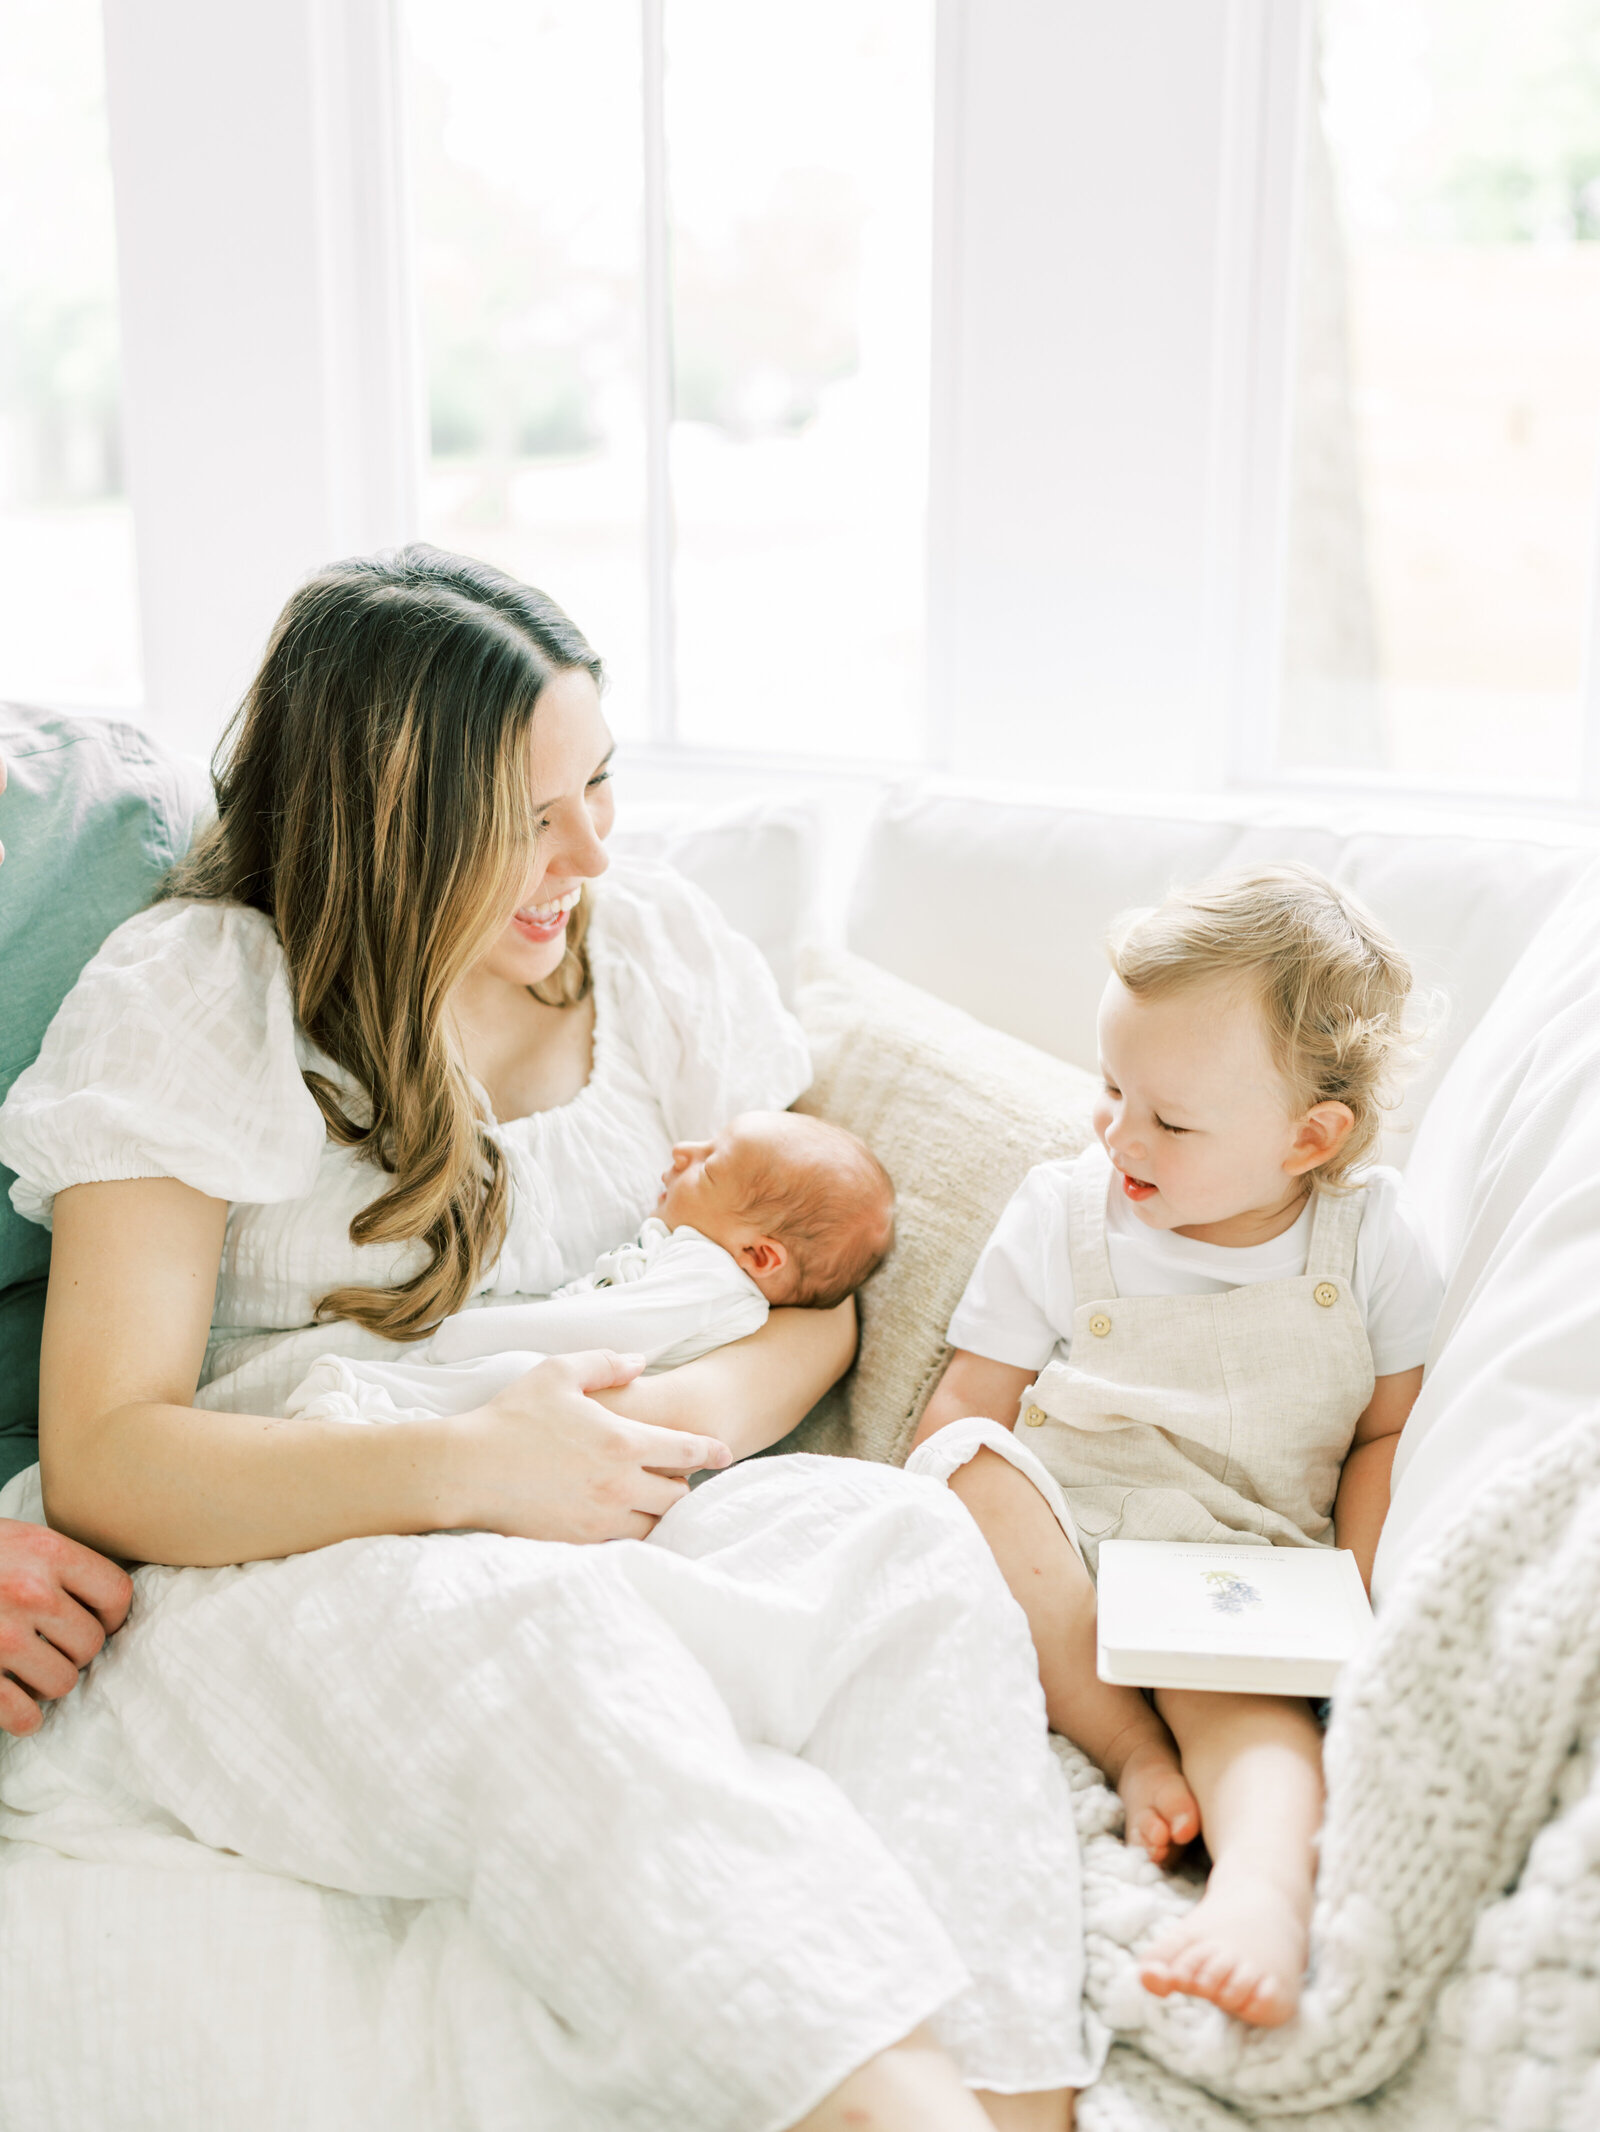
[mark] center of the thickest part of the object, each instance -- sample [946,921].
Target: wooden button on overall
[1326,1294]
[1034,1417]
[1100,1324]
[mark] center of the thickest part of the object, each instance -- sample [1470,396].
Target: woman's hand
[543,1461]
[58,1604]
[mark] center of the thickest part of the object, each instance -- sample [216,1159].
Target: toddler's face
[1196,1116]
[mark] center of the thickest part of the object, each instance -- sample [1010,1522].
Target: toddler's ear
[764,1256]
[1322,1132]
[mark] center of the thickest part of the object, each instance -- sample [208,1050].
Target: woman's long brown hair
[374,801]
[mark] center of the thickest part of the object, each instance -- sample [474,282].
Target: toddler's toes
[1178,1807]
[1159,1810]
[1151,1833]
[1245,1953]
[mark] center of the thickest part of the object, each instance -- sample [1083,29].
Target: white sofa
[1458,1968]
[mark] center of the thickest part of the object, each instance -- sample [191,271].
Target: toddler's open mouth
[1135,1187]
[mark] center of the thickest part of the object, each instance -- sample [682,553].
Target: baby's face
[1196,1116]
[710,1181]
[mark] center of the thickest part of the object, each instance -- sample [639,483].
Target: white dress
[469,1834]
[177,1055]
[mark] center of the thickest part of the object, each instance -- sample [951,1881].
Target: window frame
[1112,353]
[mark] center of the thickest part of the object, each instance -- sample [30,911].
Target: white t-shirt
[1018,1305]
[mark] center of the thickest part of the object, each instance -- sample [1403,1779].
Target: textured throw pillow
[957,1113]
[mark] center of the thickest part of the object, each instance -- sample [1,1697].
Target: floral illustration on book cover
[1229,1593]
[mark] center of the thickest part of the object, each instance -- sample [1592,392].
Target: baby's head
[804,1207]
[1251,1036]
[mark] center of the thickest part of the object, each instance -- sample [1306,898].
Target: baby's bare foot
[1159,1810]
[1243,1946]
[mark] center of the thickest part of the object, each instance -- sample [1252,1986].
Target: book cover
[1252,1620]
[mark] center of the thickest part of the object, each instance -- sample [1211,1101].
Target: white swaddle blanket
[669,1295]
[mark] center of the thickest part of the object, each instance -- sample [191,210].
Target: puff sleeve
[700,1004]
[174,1055]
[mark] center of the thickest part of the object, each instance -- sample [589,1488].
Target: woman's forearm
[752,1393]
[128,1465]
[161,1483]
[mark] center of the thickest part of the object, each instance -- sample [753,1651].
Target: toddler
[777,1208]
[1211,1326]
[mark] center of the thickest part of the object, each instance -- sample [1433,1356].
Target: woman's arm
[130,1467]
[1362,1503]
[753,1392]
[972,1384]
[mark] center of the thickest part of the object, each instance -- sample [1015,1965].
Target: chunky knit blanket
[1455,1975]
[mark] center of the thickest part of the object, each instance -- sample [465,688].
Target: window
[800,185]
[1263,431]
[1446,434]
[68,625]
[674,285]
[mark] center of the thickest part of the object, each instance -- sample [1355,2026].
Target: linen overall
[1204,1417]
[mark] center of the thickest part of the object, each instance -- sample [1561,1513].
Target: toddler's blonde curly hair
[1332,986]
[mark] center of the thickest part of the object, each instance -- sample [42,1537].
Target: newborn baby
[776,1209]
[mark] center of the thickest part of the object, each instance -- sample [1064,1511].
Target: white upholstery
[755,859]
[1507,1168]
[1000,905]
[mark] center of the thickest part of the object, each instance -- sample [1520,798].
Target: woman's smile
[544,922]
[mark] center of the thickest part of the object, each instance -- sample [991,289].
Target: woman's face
[568,758]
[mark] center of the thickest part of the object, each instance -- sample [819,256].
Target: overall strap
[1086,1227]
[1335,1225]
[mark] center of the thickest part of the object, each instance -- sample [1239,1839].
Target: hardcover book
[1248,1620]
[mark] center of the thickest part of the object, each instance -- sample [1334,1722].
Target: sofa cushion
[957,1113]
[756,860]
[1001,905]
[1506,1170]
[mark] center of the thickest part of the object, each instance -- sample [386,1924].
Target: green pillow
[93,814]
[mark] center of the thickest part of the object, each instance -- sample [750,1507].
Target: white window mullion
[1589,705]
[941,704]
[1266,87]
[658,381]
[371,339]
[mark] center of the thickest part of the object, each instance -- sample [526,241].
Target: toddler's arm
[1362,1503]
[972,1384]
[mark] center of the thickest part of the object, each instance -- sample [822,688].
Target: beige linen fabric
[1204,1417]
[957,1113]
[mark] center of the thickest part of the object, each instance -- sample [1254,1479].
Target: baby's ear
[764,1256]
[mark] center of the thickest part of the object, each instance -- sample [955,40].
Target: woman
[388,1048]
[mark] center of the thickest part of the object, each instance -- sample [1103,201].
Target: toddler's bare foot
[1158,1808]
[1243,1946]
